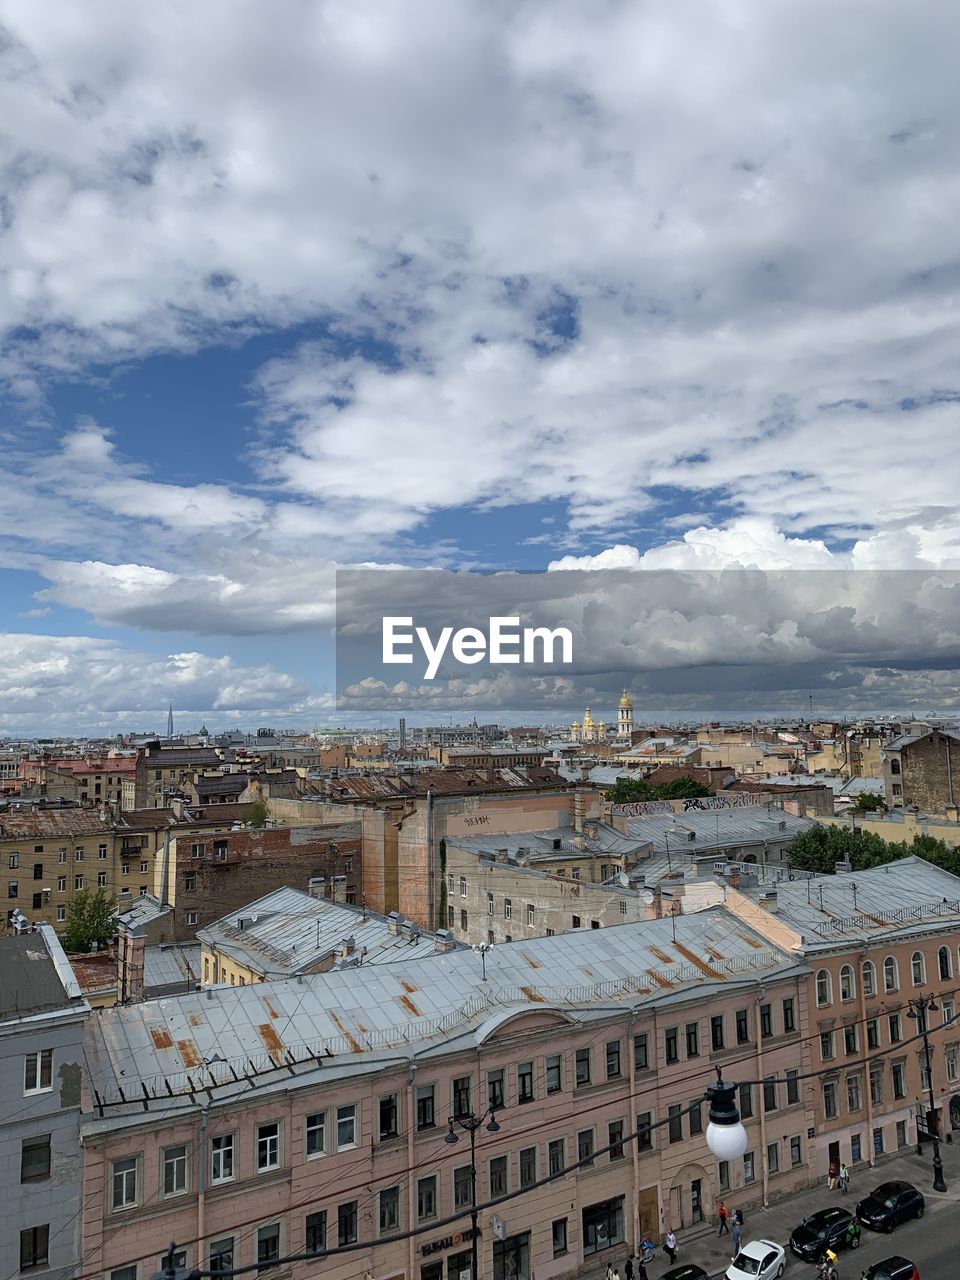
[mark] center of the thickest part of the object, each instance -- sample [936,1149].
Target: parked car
[689,1272]
[829,1229]
[895,1268]
[890,1204]
[758,1260]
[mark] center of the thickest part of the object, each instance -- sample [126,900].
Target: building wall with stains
[579,1083]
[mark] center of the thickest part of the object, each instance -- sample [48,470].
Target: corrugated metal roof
[358,1013]
[175,964]
[606,840]
[716,828]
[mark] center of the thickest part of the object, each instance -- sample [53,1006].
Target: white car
[758,1260]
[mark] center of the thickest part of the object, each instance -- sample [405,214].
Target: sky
[480,285]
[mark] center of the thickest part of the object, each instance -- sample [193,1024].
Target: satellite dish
[649,897]
[624,879]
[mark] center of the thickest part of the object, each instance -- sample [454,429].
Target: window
[675,1123]
[13,888]
[508,908]
[670,1045]
[950,1058]
[426,1198]
[723,1174]
[221,1256]
[531,914]
[388,1117]
[221,1158]
[891,978]
[696,1118]
[525,1082]
[769,1094]
[868,973]
[789,1015]
[894,1023]
[848,987]
[101,879]
[389,1209]
[38,871]
[918,970]
[495,1088]
[641,1060]
[463,886]
[38,1071]
[102,852]
[130,1272]
[268,1244]
[746,1101]
[749,1170]
[315,1232]
[316,1135]
[61,914]
[824,989]
[826,1046]
[644,1131]
[693,1039]
[268,1147]
[793,1086]
[582,1066]
[829,1090]
[554,1070]
[766,1022]
[901,1133]
[462,1187]
[615,1139]
[613,1060]
[585,1147]
[347,1126]
[528,1166]
[556,1156]
[873,1033]
[854,1098]
[35,1159]
[851,1039]
[924,1075]
[943,963]
[124,1180]
[175,1170]
[796,1151]
[78,882]
[878,1142]
[947,1011]
[426,1106]
[559,1237]
[191,916]
[190,883]
[743,1029]
[35,1247]
[899,1084]
[14,861]
[461,1096]
[78,854]
[716,1031]
[498,1177]
[61,884]
[464,924]
[876,1085]
[575,919]
[347,1223]
[773,1157]
[62,856]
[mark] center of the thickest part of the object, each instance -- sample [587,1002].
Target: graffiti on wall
[642,808]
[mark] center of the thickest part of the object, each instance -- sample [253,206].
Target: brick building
[161,771]
[923,771]
[205,876]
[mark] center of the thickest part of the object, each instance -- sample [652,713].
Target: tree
[259,813]
[630,790]
[91,918]
[820,848]
[870,800]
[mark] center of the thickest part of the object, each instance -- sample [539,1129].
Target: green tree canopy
[820,848]
[259,813]
[630,790]
[91,918]
[870,800]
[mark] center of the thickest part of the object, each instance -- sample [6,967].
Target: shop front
[448,1257]
[511,1258]
[603,1225]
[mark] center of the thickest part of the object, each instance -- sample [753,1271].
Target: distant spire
[170,721]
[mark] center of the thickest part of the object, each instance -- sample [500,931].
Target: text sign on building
[448,1242]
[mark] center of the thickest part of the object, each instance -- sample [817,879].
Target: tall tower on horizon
[170,720]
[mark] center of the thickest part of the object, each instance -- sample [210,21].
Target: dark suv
[895,1268]
[829,1229]
[890,1204]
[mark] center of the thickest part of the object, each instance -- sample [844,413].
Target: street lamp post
[470,1124]
[918,1011]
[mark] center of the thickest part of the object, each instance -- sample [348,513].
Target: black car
[829,1229]
[689,1272]
[895,1268]
[890,1204]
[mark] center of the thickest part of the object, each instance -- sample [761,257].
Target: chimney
[578,812]
[768,900]
[124,901]
[130,956]
[316,886]
[339,888]
[347,947]
[394,922]
[445,940]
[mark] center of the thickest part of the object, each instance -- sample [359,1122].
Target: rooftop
[605,840]
[35,976]
[51,824]
[702,829]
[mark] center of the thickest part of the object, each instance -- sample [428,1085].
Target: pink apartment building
[249,1123]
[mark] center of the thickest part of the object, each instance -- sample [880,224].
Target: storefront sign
[448,1242]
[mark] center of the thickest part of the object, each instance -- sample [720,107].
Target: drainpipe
[864,951]
[165,868]
[202,1182]
[410,1121]
[763,1111]
[431,878]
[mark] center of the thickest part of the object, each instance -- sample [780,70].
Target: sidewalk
[702,1246]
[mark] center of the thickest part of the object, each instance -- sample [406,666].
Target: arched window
[894,766]
[943,960]
[824,991]
[869,978]
[847,984]
[891,978]
[918,969]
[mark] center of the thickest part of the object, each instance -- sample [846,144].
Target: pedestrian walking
[844,1177]
[641,1270]
[722,1216]
[833,1173]
[670,1247]
[735,1237]
[609,1271]
[738,1217]
[628,1267]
